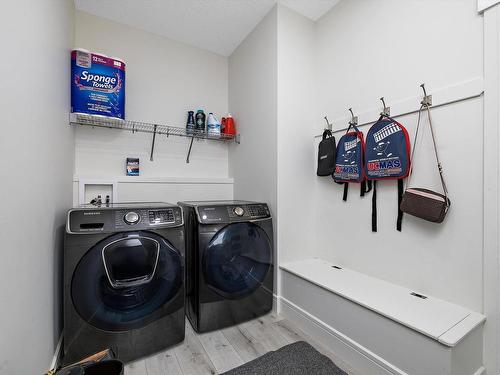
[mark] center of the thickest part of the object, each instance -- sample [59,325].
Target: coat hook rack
[328,125]
[354,119]
[427,99]
[387,110]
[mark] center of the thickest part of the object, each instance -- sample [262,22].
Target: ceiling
[214,25]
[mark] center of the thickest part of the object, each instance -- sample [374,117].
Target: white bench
[379,327]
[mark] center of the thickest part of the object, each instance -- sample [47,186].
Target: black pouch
[326,154]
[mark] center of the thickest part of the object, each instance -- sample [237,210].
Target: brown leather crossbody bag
[420,202]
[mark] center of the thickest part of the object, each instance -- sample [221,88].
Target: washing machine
[124,273]
[229,251]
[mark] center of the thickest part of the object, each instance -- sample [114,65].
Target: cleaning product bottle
[200,120]
[229,128]
[222,125]
[190,125]
[213,126]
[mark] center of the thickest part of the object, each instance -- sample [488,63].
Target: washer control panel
[233,213]
[123,219]
[161,216]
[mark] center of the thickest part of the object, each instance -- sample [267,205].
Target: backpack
[350,160]
[326,154]
[387,158]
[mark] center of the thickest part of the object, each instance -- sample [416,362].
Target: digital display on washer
[161,216]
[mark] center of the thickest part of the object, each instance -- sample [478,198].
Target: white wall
[491,188]
[37,165]
[296,114]
[386,57]
[253,103]
[164,79]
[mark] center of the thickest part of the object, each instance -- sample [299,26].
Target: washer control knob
[131,218]
[238,211]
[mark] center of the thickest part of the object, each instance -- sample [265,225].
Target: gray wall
[36,148]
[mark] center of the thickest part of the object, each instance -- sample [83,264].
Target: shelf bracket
[189,151]
[153,143]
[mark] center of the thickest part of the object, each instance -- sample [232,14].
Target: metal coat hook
[354,119]
[328,125]
[427,99]
[387,110]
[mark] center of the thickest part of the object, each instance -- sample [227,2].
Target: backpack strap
[366,187]
[400,198]
[400,181]
[374,207]
[346,190]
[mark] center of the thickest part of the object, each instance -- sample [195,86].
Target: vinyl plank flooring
[136,368]
[271,318]
[246,345]
[164,363]
[262,331]
[222,354]
[219,351]
[192,357]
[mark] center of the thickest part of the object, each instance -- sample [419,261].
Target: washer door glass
[237,259]
[125,280]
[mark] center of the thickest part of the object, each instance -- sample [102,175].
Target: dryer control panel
[114,219]
[232,213]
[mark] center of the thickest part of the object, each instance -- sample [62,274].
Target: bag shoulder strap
[440,168]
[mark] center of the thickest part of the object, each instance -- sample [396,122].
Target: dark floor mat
[298,358]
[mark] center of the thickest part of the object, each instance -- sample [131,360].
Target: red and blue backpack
[350,160]
[387,154]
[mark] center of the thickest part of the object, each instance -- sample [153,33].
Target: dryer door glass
[237,260]
[127,280]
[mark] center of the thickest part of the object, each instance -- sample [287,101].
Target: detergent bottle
[229,127]
[213,125]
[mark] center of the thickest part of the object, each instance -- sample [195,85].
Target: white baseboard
[276,304]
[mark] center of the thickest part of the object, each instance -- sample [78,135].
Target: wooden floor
[220,351]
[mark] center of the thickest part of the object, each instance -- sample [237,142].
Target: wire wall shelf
[144,127]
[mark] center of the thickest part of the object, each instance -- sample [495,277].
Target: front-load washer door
[126,281]
[237,260]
